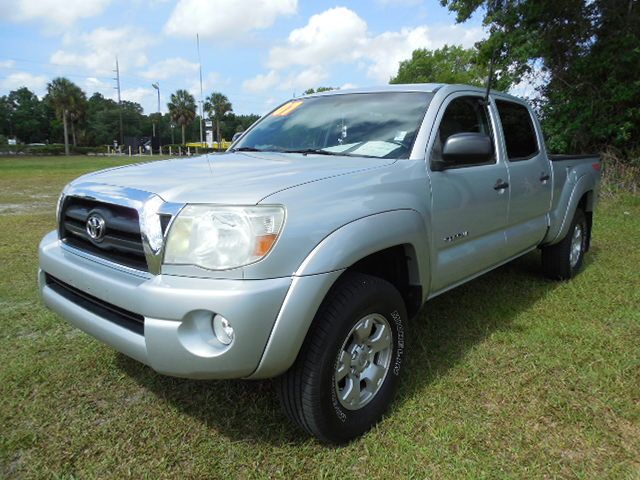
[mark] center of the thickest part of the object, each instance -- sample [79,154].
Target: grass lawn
[510,375]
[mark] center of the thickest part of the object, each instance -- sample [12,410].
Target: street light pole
[157,87]
[201,101]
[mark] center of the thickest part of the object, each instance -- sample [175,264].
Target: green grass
[510,375]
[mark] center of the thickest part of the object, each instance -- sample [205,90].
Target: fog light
[223,330]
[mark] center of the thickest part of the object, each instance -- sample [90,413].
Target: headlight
[219,237]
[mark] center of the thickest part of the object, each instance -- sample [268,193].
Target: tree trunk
[218,132]
[73,134]
[183,142]
[66,132]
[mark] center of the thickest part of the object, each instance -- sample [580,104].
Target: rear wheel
[564,259]
[348,368]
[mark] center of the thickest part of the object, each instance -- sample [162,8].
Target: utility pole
[117,87]
[201,101]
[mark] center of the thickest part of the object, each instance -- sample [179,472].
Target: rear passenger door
[468,206]
[529,177]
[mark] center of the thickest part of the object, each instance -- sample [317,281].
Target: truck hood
[231,178]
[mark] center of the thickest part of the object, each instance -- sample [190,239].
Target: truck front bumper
[175,335]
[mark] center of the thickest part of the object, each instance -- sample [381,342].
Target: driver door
[468,210]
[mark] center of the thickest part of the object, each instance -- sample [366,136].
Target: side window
[519,134]
[463,115]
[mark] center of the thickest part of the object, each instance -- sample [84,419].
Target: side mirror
[464,149]
[236,136]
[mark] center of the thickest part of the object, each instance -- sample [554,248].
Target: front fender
[370,234]
[322,267]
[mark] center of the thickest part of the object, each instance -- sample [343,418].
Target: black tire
[556,259]
[308,392]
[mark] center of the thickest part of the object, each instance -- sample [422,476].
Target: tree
[61,93]
[217,106]
[449,64]
[590,53]
[102,120]
[26,116]
[5,116]
[311,91]
[77,110]
[182,108]
[236,123]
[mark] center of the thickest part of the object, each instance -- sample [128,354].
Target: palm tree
[217,106]
[61,93]
[77,110]
[182,108]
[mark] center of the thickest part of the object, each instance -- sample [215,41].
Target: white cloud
[529,84]
[339,35]
[141,95]
[292,82]
[403,3]
[93,84]
[456,34]
[308,78]
[98,49]
[212,81]
[387,50]
[225,19]
[51,11]
[262,82]
[35,83]
[170,67]
[7,63]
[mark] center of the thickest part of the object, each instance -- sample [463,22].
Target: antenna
[201,102]
[490,78]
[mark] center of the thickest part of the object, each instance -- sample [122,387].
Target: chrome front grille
[120,240]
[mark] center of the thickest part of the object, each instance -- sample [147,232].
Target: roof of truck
[413,87]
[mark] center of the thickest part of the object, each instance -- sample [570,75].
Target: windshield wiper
[306,151]
[246,149]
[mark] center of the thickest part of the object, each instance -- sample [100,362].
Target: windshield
[381,125]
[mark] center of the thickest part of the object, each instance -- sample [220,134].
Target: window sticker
[287,108]
[340,148]
[375,148]
[400,136]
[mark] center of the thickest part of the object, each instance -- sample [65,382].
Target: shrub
[620,173]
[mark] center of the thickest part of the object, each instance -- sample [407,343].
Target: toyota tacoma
[300,253]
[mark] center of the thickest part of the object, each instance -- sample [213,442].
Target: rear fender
[560,219]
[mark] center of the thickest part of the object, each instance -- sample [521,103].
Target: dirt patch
[22,208]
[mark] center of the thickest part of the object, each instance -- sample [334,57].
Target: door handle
[500,185]
[544,177]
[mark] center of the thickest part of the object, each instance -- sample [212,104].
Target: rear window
[519,134]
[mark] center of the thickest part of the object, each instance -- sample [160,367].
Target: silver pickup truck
[301,252]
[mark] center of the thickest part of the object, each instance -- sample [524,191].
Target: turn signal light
[264,244]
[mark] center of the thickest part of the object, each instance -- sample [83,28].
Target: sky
[257,52]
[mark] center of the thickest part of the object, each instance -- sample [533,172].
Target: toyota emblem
[96,227]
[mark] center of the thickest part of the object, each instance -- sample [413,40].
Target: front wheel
[348,368]
[563,260]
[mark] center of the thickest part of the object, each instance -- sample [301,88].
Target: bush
[51,149]
[620,173]
[88,150]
